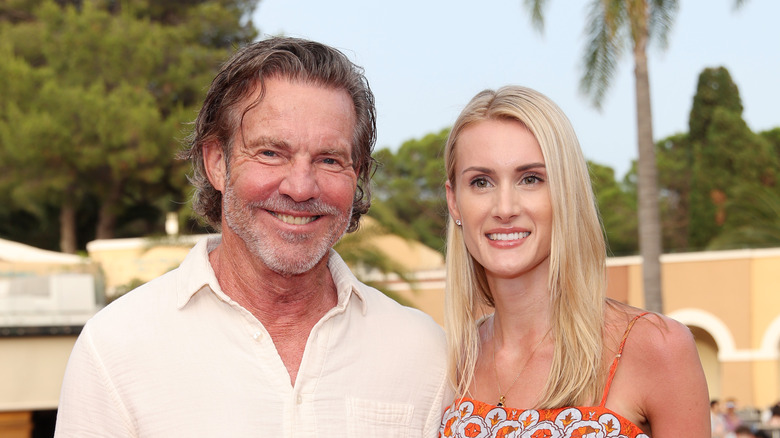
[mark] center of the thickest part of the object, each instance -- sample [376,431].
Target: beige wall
[31,371]
[127,260]
[721,287]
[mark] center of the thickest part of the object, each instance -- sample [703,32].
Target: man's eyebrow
[267,141]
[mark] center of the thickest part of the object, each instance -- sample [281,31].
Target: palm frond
[604,35]
[662,13]
[536,7]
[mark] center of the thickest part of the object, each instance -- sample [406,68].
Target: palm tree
[613,25]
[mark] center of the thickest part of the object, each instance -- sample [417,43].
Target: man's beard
[292,256]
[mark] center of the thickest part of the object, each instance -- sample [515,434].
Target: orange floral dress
[475,419]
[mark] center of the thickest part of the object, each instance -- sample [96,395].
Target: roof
[21,253]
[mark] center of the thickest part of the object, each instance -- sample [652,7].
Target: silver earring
[457,222]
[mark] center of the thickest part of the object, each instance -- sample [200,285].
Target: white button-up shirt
[179,358]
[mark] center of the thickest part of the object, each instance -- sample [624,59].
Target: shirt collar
[197,273]
[345,281]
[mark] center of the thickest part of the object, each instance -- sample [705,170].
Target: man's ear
[214,162]
[452,205]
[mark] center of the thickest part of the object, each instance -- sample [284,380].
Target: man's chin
[293,265]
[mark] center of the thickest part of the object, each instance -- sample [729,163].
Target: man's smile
[294,220]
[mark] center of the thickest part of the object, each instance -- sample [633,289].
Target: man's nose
[300,182]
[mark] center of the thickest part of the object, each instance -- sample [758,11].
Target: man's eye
[268,153]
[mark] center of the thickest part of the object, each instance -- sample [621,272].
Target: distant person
[730,418]
[717,425]
[556,358]
[774,415]
[264,331]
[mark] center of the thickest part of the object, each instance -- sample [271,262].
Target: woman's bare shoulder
[660,377]
[651,330]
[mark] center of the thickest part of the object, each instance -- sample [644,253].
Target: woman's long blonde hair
[577,258]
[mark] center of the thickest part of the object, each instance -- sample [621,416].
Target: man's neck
[288,306]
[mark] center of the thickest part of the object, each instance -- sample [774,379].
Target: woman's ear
[452,204]
[215,165]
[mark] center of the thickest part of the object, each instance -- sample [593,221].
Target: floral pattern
[474,419]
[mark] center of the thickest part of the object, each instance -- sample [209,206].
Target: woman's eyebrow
[489,171]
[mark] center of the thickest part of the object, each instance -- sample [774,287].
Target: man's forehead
[293,108]
[277,86]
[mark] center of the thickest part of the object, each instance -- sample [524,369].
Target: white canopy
[21,253]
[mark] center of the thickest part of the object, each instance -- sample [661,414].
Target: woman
[524,237]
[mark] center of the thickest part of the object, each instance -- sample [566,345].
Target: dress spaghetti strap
[613,367]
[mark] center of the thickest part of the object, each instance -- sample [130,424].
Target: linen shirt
[178,357]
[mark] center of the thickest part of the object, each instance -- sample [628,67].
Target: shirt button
[257,336]
[299,399]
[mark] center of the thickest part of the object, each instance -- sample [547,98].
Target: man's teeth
[508,236]
[294,220]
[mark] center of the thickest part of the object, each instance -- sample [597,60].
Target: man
[264,331]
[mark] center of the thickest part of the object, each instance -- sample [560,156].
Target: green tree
[706,175]
[100,96]
[753,220]
[617,205]
[731,161]
[409,190]
[613,25]
[715,89]
[728,158]
[773,137]
[674,157]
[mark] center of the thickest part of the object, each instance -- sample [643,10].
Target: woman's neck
[522,307]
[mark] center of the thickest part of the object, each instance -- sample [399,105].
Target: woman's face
[499,192]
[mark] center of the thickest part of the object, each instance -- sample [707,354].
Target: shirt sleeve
[90,405]
[443,398]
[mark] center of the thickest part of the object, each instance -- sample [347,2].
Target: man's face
[289,186]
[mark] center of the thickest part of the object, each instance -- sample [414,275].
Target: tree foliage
[96,97]
[408,190]
[675,162]
[617,206]
[720,180]
[728,158]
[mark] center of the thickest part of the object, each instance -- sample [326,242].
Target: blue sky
[426,59]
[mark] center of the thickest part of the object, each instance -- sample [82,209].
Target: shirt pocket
[378,419]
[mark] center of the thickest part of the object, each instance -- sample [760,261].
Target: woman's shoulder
[652,347]
[653,332]
[659,378]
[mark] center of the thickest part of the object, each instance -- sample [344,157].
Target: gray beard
[287,261]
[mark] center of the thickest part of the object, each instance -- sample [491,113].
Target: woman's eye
[530,179]
[479,183]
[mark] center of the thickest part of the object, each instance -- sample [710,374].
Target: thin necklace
[502,395]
